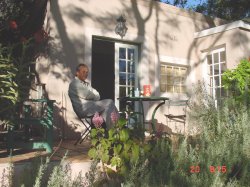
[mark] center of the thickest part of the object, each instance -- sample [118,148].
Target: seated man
[86,100]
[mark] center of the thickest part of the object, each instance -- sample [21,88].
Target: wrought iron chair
[177,111]
[87,123]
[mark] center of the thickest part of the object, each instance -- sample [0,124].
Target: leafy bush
[21,42]
[219,156]
[237,81]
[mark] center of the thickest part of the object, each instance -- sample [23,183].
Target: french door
[126,77]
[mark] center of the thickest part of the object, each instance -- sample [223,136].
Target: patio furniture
[36,112]
[87,123]
[141,108]
[177,112]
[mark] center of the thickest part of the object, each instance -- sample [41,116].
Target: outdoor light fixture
[121,28]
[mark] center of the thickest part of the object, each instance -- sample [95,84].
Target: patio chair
[177,112]
[87,123]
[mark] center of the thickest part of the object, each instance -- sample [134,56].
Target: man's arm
[83,91]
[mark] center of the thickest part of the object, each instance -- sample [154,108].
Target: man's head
[82,72]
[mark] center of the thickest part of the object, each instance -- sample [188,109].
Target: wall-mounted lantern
[121,28]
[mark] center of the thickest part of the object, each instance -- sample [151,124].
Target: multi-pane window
[126,71]
[216,65]
[172,78]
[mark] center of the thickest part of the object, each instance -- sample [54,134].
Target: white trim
[117,47]
[222,28]
[172,61]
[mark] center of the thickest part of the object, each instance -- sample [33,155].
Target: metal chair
[87,123]
[177,111]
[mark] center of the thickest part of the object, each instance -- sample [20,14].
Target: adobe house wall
[161,31]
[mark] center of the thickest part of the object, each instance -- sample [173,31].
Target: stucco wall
[160,30]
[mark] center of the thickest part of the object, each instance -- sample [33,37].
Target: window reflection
[131,54]
[122,79]
[122,53]
[122,65]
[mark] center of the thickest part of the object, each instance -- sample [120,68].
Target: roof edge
[222,28]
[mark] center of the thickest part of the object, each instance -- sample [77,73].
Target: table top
[150,98]
[39,100]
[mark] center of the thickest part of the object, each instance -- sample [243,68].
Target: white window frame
[179,84]
[117,71]
[210,71]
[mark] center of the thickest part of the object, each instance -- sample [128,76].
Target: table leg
[153,115]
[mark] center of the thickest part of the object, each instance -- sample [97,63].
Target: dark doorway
[103,76]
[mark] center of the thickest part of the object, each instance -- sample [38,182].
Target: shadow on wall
[68,51]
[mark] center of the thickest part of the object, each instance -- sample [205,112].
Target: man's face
[83,72]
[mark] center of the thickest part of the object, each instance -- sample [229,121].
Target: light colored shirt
[80,92]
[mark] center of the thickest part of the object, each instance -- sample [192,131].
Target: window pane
[170,88]
[122,65]
[163,70]
[131,79]
[163,87]
[177,89]
[122,79]
[122,91]
[217,81]
[223,92]
[223,67]
[211,70]
[122,53]
[131,54]
[211,82]
[211,91]
[177,81]
[216,58]
[183,89]
[176,71]
[131,67]
[217,92]
[222,56]
[164,79]
[209,59]
[169,71]
[216,69]
[183,72]
[170,80]
[183,80]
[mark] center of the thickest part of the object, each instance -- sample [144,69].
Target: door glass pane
[122,79]
[122,91]
[131,54]
[131,67]
[122,65]
[122,53]
[131,79]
